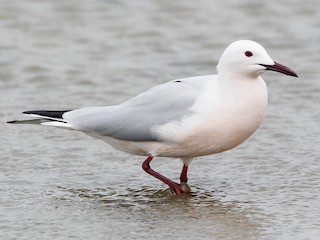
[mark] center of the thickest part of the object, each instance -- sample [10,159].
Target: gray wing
[133,120]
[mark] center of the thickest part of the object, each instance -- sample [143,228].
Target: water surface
[59,184]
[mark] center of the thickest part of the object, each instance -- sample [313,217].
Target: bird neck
[240,87]
[237,75]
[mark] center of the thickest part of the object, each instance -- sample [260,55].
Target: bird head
[249,59]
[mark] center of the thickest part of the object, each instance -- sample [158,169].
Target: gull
[183,118]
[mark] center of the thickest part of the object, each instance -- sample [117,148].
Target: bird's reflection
[204,211]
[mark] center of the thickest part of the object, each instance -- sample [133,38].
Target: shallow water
[59,184]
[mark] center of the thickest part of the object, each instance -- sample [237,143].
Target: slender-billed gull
[183,118]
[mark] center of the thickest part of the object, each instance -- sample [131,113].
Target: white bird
[183,118]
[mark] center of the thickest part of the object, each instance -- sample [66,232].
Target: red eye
[248,54]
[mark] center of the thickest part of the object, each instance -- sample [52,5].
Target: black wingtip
[47,113]
[12,121]
[31,112]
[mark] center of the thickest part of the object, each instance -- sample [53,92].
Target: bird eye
[248,53]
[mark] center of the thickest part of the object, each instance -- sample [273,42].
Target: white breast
[222,119]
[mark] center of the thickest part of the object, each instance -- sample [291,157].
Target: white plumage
[183,118]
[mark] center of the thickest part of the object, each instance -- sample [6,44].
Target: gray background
[59,184]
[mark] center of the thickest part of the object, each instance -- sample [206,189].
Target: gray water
[59,184]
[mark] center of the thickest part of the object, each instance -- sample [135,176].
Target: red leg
[173,185]
[183,180]
[183,175]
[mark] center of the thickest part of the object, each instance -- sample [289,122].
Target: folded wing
[133,120]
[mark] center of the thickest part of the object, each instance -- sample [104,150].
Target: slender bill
[277,67]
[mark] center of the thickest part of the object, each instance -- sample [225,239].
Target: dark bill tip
[277,67]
